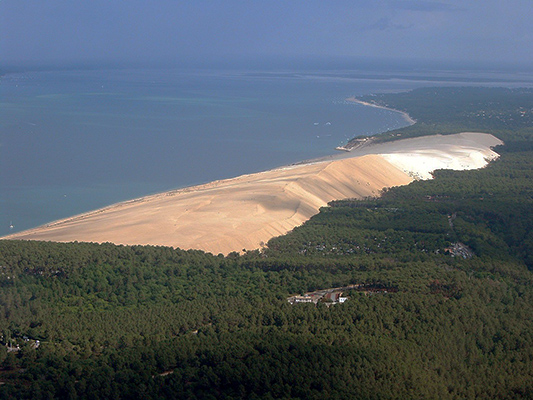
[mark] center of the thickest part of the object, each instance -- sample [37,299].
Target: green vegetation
[506,112]
[153,322]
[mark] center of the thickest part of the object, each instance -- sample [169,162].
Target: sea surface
[75,140]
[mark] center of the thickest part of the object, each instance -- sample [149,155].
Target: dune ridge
[246,211]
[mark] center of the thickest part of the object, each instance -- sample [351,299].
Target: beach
[246,211]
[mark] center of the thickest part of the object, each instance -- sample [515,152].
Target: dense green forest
[83,320]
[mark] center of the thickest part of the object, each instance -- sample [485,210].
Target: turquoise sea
[72,141]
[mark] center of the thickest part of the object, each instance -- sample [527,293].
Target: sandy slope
[244,212]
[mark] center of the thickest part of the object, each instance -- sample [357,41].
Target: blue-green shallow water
[73,141]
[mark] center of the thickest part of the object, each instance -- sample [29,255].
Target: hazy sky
[67,31]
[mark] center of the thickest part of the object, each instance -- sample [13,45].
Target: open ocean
[73,141]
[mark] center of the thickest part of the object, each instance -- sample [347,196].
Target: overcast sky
[74,31]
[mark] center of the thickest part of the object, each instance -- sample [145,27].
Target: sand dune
[245,212]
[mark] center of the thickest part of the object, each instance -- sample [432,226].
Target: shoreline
[405,115]
[357,142]
[226,215]
[185,189]
[246,211]
[148,197]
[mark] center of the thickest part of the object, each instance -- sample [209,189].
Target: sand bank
[406,116]
[245,212]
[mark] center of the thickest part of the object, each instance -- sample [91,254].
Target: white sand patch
[420,164]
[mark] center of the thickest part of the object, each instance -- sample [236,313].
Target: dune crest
[246,211]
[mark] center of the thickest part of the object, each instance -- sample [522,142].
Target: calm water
[72,141]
